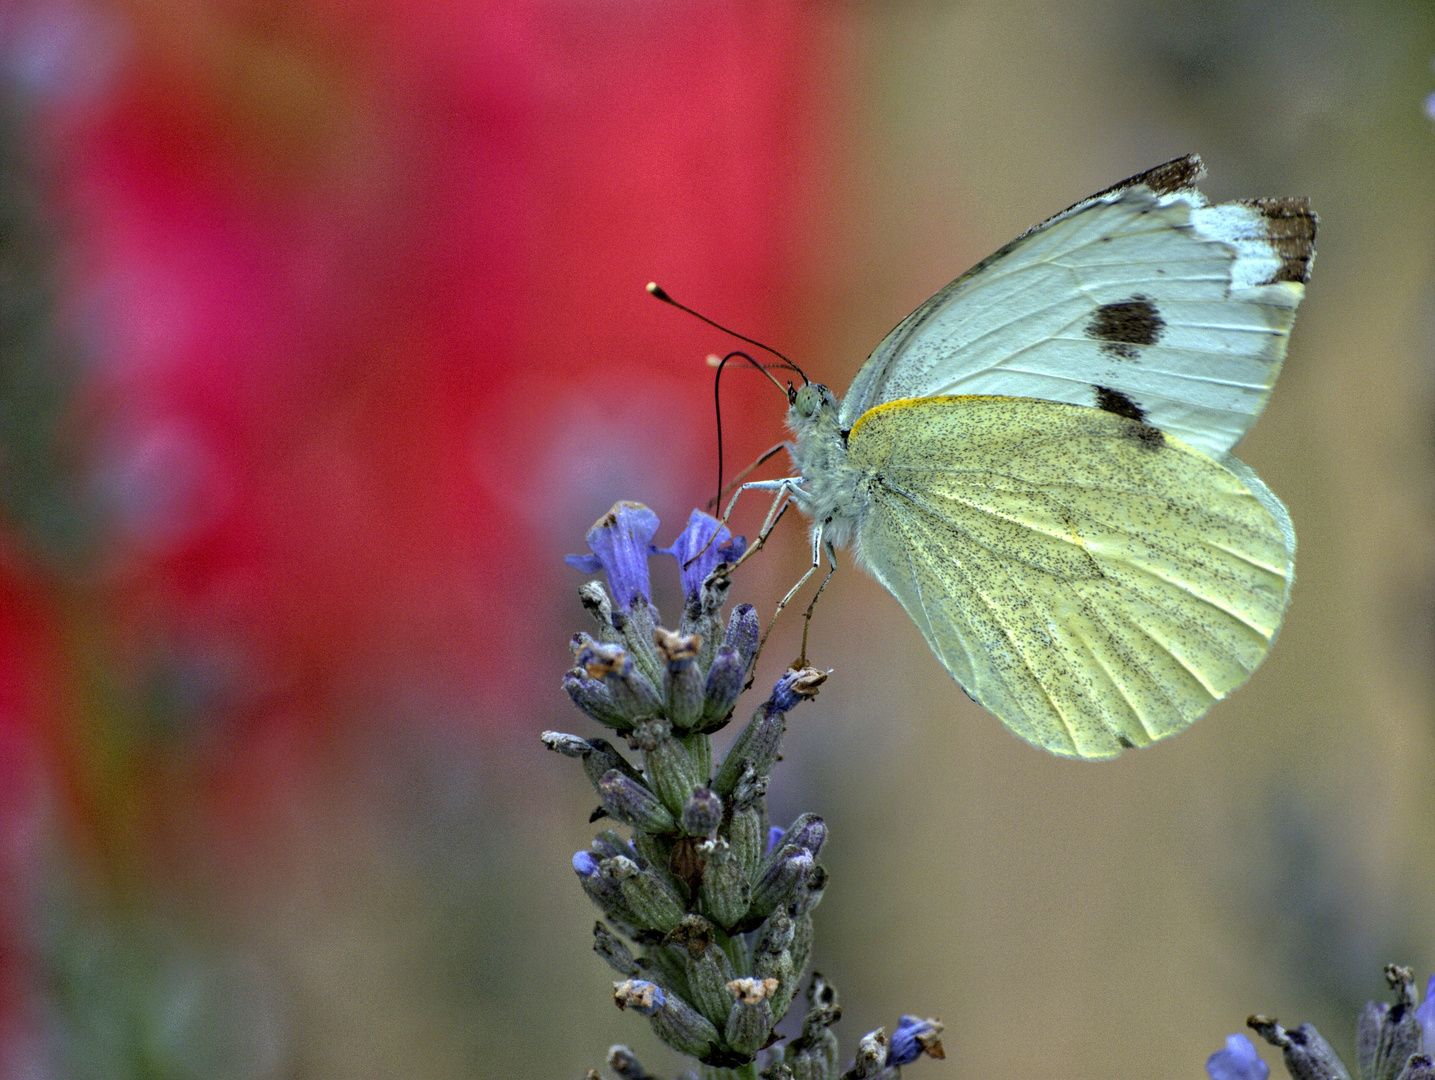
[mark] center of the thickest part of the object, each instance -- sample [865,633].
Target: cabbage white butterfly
[1036,462]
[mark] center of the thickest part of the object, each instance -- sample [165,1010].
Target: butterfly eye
[807,401]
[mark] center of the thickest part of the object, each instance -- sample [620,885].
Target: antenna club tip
[657,290]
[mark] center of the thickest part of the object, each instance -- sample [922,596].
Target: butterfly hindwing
[1093,582]
[1141,300]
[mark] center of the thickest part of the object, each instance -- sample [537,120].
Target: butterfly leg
[807,615]
[817,547]
[785,489]
[738,479]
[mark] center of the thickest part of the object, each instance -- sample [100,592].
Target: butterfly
[1036,462]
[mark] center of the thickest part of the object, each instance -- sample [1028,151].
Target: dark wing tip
[1179,174]
[1290,226]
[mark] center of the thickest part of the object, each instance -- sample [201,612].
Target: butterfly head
[805,402]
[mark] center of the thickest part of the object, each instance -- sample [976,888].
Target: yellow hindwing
[1089,579]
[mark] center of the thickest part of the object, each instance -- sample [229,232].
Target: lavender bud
[609,845]
[811,895]
[683,1028]
[595,601]
[668,766]
[1387,1035]
[567,745]
[702,813]
[808,832]
[594,699]
[603,758]
[638,636]
[638,994]
[755,747]
[816,1049]
[1307,1055]
[708,968]
[632,690]
[604,891]
[675,1021]
[682,678]
[801,949]
[871,1056]
[612,949]
[744,833]
[744,631]
[776,935]
[783,879]
[632,803]
[652,850]
[772,960]
[817,1060]
[723,686]
[655,904]
[625,1064]
[597,755]
[749,1022]
[725,892]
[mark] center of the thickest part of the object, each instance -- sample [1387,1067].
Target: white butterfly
[1036,462]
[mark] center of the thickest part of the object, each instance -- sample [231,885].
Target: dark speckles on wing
[1290,227]
[1120,327]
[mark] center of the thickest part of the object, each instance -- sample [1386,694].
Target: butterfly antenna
[717,407]
[658,292]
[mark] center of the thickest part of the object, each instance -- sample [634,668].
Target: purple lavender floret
[914,1037]
[1238,1061]
[1425,1015]
[692,540]
[585,864]
[621,541]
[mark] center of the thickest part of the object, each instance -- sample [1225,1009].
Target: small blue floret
[784,697]
[1425,1014]
[621,540]
[585,863]
[1238,1061]
[694,539]
[908,1040]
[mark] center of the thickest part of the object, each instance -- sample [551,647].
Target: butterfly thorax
[831,493]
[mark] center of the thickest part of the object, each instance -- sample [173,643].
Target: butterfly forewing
[1141,300]
[1093,582]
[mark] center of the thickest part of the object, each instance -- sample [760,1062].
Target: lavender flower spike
[1238,1061]
[621,541]
[693,539]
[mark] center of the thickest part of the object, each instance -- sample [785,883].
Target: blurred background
[323,338]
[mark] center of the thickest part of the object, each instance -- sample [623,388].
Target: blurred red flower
[359,286]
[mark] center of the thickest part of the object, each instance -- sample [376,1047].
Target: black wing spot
[1122,326]
[1114,401]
